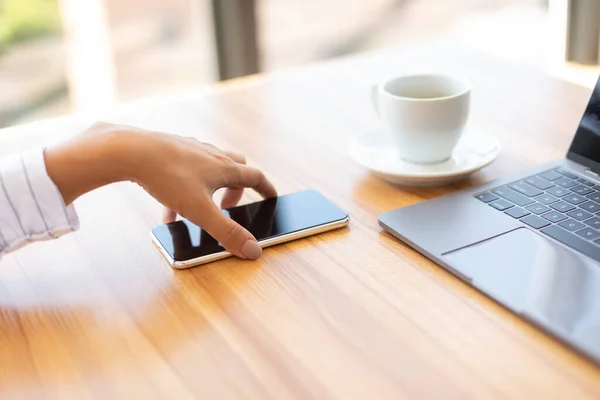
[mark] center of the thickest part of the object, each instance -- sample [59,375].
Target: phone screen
[266,219]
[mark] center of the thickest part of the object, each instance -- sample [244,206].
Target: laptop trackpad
[535,276]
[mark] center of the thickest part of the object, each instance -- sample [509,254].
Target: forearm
[37,187]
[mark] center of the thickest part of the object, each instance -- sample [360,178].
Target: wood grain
[347,314]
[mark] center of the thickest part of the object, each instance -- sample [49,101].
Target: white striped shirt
[31,207]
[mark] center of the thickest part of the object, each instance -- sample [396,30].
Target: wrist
[86,162]
[127,148]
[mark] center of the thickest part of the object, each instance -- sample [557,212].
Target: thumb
[236,239]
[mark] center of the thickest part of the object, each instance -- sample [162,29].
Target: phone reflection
[189,241]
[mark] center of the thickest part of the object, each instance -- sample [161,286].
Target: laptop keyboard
[558,203]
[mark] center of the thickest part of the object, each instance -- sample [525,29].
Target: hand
[189,174]
[181,173]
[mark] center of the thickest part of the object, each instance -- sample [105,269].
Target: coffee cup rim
[464,83]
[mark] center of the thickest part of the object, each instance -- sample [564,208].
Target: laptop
[530,241]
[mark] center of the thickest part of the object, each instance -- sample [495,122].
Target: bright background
[143,48]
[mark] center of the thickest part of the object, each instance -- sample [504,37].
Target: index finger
[249,177]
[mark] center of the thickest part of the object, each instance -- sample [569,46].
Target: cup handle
[375,98]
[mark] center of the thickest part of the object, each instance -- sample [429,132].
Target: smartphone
[272,221]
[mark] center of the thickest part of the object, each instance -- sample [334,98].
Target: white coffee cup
[424,115]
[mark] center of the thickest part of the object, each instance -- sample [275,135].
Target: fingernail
[251,250]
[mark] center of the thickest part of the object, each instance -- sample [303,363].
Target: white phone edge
[194,262]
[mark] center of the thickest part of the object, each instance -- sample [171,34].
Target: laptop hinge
[592,172]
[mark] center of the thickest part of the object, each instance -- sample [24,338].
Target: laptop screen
[585,147]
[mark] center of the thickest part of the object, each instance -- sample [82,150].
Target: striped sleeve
[31,207]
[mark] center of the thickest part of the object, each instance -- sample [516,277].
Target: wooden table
[347,314]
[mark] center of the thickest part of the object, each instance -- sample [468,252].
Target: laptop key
[558,191]
[551,175]
[575,199]
[537,208]
[582,190]
[554,216]
[535,222]
[579,215]
[571,225]
[574,242]
[501,204]
[567,174]
[566,183]
[588,233]
[562,206]
[593,222]
[525,188]
[486,197]
[590,206]
[587,183]
[539,183]
[512,196]
[594,196]
[546,199]
[517,212]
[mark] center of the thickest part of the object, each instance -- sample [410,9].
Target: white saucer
[374,151]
